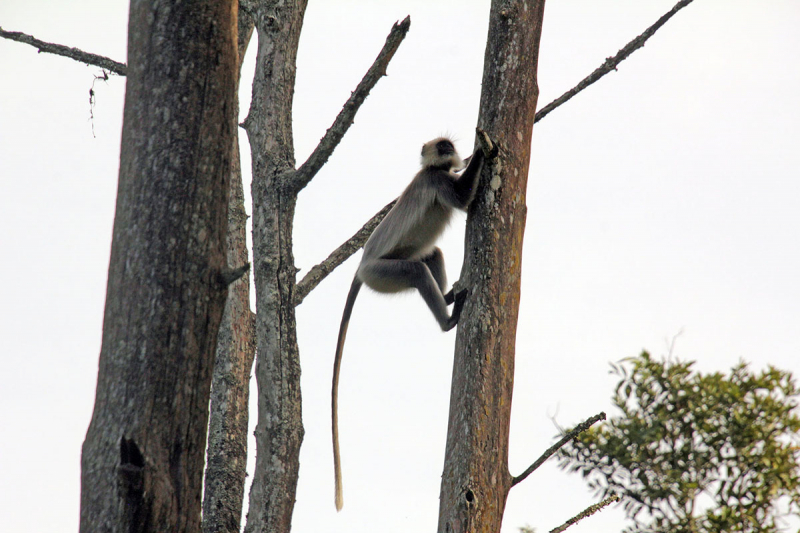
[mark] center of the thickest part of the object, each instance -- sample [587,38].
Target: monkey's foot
[449,297]
[458,305]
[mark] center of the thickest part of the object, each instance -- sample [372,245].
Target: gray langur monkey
[400,254]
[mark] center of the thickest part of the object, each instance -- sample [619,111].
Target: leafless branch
[58,49]
[577,430]
[338,256]
[345,118]
[230,275]
[589,511]
[612,62]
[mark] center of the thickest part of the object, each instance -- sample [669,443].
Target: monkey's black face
[445,148]
[440,153]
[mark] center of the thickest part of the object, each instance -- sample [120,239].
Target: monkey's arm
[465,186]
[460,192]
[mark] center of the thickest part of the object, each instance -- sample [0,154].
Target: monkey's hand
[487,146]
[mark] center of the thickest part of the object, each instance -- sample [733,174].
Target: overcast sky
[664,200]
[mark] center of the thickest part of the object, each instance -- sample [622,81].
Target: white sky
[664,199]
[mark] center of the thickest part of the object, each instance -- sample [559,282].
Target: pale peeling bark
[476,481]
[142,461]
[279,431]
[230,388]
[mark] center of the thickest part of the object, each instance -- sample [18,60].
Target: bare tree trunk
[142,462]
[230,388]
[476,481]
[279,431]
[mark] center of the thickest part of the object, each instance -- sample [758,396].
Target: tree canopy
[694,452]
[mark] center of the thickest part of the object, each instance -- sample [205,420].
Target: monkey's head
[441,153]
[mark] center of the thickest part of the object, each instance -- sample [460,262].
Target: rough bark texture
[279,431]
[142,462]
[230,387]
[476,480]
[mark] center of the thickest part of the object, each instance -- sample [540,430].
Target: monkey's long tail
[337,363]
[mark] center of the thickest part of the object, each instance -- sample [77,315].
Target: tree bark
[279,431]
[142,461]
[476,481]
[230,387]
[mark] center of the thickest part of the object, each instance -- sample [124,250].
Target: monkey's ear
[487,146]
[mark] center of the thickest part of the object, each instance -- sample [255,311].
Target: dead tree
[476,481]
[276,184]
[142,463]
[230,388]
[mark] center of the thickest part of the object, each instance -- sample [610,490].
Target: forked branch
[345,118]
[73,53]
[577,430]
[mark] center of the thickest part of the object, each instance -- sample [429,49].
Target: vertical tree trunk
[142,462]
[476,480]
[230,387]
[279,431]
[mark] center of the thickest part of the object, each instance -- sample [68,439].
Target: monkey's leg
[435,263]
[392,275]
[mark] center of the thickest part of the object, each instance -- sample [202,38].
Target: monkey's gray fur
[400,254]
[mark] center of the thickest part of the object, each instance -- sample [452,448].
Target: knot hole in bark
[131,467]
[130,486]
[469,497]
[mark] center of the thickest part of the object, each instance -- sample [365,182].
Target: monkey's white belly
[387,273]
[421,239]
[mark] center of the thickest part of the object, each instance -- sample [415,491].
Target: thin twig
[345,118]
[580,428]
[338,256]
[58,49]
[589,511]
[612,62]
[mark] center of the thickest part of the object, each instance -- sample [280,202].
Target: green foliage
[695,453]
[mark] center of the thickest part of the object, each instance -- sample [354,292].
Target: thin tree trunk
[476,481]
[279,431]
[230,387]
[142,462]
